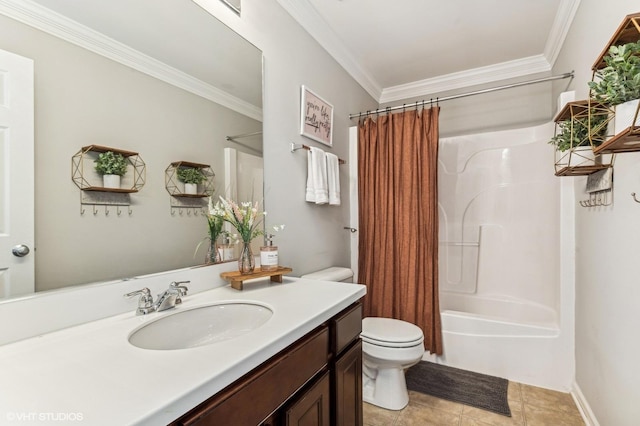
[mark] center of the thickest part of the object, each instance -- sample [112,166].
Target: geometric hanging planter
[616,83]
[579,127]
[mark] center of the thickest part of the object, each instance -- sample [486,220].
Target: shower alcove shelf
[625,139]
[175,188]
[87,179]
[579,159]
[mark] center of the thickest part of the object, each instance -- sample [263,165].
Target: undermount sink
[201,325]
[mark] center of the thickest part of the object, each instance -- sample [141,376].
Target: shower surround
[505,298]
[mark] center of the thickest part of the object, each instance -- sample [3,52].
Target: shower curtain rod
[462,95]
[244,135]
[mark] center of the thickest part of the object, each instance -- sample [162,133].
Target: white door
[353,198]
[16,175]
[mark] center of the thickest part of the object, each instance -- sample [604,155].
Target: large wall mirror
[162,78]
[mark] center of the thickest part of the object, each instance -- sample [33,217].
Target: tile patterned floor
[530,406]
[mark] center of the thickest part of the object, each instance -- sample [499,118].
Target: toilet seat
[390,333]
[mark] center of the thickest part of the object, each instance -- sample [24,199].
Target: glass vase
[246,262]
[213,254]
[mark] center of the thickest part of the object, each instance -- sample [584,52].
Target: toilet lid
[390,332]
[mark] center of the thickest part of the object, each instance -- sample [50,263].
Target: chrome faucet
[166,300]
[145,303]
[172,296]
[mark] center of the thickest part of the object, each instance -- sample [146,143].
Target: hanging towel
[317,190]
[333,179]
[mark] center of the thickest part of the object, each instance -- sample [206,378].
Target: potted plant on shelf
[574,136]
[619,83]
[191,177]
[111,166]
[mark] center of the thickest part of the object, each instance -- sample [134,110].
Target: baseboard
[583,406]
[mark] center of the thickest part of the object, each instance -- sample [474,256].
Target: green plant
[191,175]
[110,163]
[575,133]
[619,80]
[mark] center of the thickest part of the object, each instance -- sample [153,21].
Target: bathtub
[504,308]
[527,349]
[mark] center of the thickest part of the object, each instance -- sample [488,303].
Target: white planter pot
[581,156]
[191,188]
[624,116]
[111,181]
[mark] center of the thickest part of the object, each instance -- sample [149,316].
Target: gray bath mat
[475,389]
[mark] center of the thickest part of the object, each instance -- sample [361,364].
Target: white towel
[317,190]
[333,179]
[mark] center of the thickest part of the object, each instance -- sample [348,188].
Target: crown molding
[43,19]
[468,78]
[303,12]
[560,29]
[311,21]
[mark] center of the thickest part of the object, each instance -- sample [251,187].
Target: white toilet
[389,346]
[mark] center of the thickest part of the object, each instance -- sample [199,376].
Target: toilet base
[387,390]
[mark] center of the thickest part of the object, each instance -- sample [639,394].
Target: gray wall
[607,247]
[313,237]
[82,99]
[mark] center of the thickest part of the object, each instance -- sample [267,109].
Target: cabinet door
[348,387]
[312,408]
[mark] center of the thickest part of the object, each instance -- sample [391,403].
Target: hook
[106,210]
[129,210]
[173,211]
[118,210]
[81,210]
[95,211]
[181,212]
[633,194]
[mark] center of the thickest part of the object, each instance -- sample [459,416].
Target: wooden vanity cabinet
[315,381]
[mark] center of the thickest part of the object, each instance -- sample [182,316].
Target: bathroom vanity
[304,362]
[316,380]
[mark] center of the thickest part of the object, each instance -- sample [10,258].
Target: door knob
[20,250]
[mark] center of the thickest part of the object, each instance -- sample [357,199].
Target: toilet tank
[335,273]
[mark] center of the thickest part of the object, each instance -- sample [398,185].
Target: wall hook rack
[600,189]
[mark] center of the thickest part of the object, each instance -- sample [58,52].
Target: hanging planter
[578,129]
[616,83]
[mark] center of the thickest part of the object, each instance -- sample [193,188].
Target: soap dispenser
[269,255]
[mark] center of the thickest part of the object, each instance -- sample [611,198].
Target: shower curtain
[398,219]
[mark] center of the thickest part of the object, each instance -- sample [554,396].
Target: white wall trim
[311,21]
[583,406]
[468,78]
[43,19]
[560,29]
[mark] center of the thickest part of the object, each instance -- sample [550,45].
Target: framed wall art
[316,117]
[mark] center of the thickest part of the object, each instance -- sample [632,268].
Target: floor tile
[376,416]
[530,406]
[424,415]
[431,401]
[473,416]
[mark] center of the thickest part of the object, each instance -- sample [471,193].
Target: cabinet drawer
[346,327]
[255,396]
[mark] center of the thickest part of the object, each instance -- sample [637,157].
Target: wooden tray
[236,277]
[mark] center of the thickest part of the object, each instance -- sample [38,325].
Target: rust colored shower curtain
[398,219]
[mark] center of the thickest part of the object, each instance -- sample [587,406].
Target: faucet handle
[145,303]
[179,289]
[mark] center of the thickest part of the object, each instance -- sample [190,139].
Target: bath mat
[475,389]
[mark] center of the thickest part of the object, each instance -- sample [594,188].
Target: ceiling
[402,49]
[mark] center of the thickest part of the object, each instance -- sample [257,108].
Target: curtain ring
[437,102]
[404,107]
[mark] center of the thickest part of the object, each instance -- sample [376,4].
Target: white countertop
[90,374]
